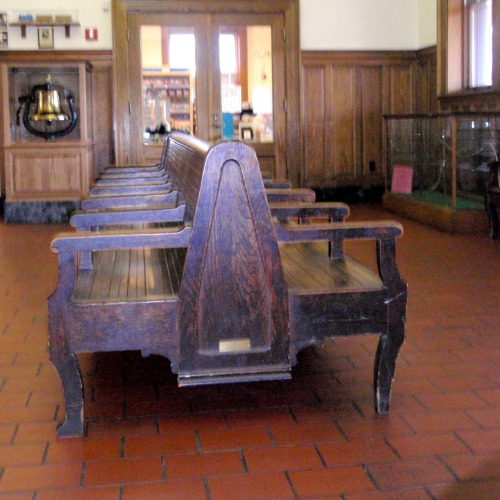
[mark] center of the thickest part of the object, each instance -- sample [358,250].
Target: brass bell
[48,103]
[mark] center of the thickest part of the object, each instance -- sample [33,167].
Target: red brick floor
[315,436]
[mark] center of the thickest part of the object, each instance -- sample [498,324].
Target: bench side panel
[233,302]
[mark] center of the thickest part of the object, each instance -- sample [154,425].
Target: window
[468,49]
[479,36]
[181,52]
[227,54]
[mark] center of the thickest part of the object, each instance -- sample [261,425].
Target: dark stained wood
[492,199]
[344,96]
[228,285]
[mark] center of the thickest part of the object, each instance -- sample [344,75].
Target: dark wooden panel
[102,116]
[342,157]
[344,95]
[313,81]
[399,93]
[371,133]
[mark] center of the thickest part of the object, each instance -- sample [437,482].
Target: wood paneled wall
[344,96]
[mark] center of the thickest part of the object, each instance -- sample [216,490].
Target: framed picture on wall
[46,38]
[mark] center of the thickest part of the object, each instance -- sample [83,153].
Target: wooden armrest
[136,175]
[334,210]
[145,188]
[291,195]
[149,200]
[121,240]
[277,183]
[83,221]
[335,231]
[131,169]
[131,181]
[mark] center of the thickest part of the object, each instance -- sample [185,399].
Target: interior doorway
[220,72]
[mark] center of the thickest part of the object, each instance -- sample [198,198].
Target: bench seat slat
[308,268]
[131,275]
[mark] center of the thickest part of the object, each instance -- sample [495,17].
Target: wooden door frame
[126,151]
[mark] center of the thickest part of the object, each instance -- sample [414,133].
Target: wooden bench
[229,294]
[492,199]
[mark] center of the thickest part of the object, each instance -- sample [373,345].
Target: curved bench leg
[69,372]
[385,363]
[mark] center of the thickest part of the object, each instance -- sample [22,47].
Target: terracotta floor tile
[173,490]
[250,487]
[330,482]
[443,421]
[285,435]
[252,418]
[123,471]
[453,384]
[489,418]
[467,490]
[183,423]
[281,459]
[491,397]
[40,477]
[401,494]
[427,446]
[29,454]
[99,493]
[35,432]
[38,414]
[165,444]
[80,450]
[253,437]
[487,441]
[356,453]
[451,401]
[7,432]
[172,406]
[375,428]
[474,467]
[326,413]
[104,429]
[408,473]
[198,465]
[109,410]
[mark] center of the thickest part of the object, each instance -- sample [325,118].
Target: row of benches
[225,277]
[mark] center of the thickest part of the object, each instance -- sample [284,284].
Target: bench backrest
[184,159]
[233,307]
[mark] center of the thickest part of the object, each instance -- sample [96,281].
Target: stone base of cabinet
[39,212]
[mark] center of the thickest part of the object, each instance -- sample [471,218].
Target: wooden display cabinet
[45,178]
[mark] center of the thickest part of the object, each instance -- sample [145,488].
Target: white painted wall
[367,24]
[427,23]
[91,15]
[325,24]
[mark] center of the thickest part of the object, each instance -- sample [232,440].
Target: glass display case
[440,161]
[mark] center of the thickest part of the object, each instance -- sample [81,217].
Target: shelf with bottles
[167,104]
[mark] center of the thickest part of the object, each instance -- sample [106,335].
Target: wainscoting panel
[344,98]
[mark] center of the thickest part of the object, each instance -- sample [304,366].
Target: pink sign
[402,177]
